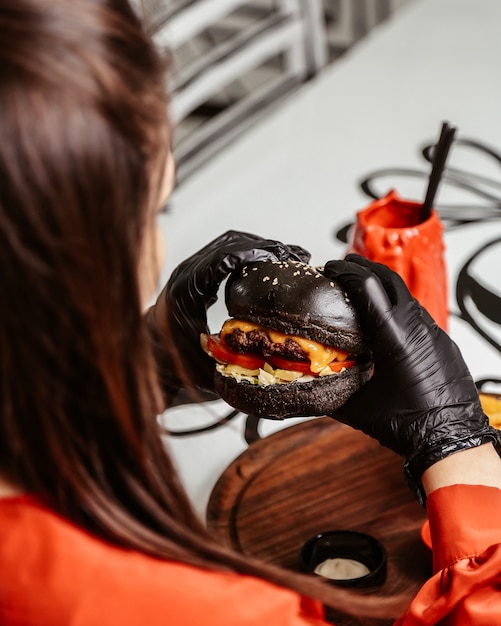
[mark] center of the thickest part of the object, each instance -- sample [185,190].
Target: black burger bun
[321,396]
[295,299]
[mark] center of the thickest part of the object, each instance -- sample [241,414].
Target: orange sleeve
[184,596]
[466,537]
[60,574]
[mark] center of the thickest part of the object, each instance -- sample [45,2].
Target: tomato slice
[222,352]
[337,366]
[286,364]
[304,366]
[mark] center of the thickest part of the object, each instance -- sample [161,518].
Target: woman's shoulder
[34,531]
[65,572]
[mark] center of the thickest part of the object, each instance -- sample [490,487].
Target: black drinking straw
[440,154]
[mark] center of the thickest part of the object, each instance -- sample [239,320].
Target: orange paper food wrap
[389,231]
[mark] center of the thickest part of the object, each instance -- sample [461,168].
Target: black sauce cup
[346,544]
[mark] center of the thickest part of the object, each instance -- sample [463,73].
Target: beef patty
[258,342]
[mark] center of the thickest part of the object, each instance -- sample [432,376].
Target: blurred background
[232,61]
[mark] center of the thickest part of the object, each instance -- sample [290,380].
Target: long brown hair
[83,129]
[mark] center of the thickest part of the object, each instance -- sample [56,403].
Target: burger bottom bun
[321,396]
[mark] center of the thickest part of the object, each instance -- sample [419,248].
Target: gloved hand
[421,401]
[180,313]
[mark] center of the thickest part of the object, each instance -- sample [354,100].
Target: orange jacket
[465,525]
[53,573]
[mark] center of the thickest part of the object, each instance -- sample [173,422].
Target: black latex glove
[180,313]
[421,401]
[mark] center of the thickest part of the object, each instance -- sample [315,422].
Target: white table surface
[295,177]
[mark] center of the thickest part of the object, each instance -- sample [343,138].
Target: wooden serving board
[316,476]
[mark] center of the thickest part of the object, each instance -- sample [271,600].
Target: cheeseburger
[293,345]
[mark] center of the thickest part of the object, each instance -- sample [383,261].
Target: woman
[95,526]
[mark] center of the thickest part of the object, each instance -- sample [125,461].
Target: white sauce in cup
[341,569]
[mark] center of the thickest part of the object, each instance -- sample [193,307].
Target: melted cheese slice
[319,355]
